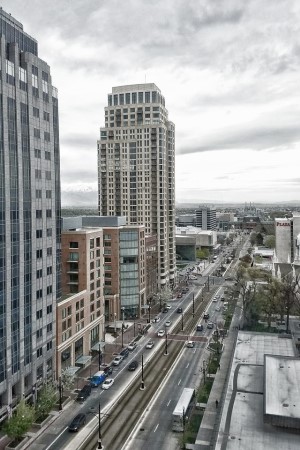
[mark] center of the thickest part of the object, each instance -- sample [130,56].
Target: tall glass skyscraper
[29,216]
[136,167]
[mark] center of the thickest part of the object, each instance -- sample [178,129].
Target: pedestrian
[217,404]
[219,366]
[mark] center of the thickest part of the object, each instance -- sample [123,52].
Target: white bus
[182,409]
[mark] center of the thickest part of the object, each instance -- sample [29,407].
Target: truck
[98,378]
[182,410]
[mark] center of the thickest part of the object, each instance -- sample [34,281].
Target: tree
[259,239]
[165,295]
[268,299]
[47,398]
[270,241]
[289,298]
[67,379]
[20,422]
[253,238]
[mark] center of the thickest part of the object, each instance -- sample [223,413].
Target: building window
[39,352]
[39,253]
[49,346]
[39,234]
[37,153]
[49,309]
[39,314]
[36,133]
[36,112]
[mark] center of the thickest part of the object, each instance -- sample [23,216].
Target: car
[77,422]
[210,325]
[150,344]
[132,346]
[215,299]
[206,316]
[117,360]
[168,306]
[185,290]
[107,383]
[192,277]
[84,393]
[179,295]
[161,333]
[190,344]
[156,319]
[199,327]
[165,310]
[218,308]
[222,298]
[133,365]
[107,369]
[179,310]
[168,323]
[124,353]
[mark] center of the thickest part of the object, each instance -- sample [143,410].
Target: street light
[122,329]
[149,309]
[182,321]
[100,446]
[100,356]
[166,345]
[193,305]
[60,388]
[142,382]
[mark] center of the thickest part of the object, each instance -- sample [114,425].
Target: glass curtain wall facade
[29,216]
[136,167]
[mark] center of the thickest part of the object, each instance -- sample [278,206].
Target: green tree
[20,422]
[270,241]
[268,299]
[253,236]
[67,379]
[47,398]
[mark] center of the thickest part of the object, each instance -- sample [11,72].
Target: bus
[182,409]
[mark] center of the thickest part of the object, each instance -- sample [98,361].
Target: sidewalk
[210,423]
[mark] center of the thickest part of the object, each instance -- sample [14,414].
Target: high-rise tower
[136,167]
[29,215]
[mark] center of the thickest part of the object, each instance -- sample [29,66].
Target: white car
[218,308]
[150,344]
[190,344]
[117,360]
[192,277]
[168,323]
[168,306]
[161,333]
[215,299]
[107,383]
[156,319]
[132,346]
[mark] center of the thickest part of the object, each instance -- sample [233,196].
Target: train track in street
[120,420]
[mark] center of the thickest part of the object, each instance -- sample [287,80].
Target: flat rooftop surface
[282,390]
[242,426]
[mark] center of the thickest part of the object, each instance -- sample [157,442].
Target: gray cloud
[267,138]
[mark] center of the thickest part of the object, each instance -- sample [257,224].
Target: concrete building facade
[136,167]
[206,218]
[29,216]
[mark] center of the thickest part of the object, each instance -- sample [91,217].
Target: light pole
[60,388]
[115,324]
[100,446]
[193,305]
[149,309]
[142,382]
[166,345]
[208,283]
[122,329]
[99,356]
[182,321]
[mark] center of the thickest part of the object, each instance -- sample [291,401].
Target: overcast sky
[229,70]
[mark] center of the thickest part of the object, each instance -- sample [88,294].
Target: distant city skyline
[228,69]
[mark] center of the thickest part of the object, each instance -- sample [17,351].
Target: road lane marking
[187,365]
[56,438]
[155,428]
[179,382]
[168,402]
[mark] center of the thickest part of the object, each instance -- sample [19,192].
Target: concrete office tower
[136,163]
[29,216]
[206,218]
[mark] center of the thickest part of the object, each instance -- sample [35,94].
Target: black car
[179,310]
[133,365]
[206,316]
[108,370]
[77,422]
[165,310]
[84,393]
[124,353]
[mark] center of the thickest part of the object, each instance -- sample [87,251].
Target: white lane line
[155,428]
[168,402]
[179,382]
[187,365]
[56,438]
